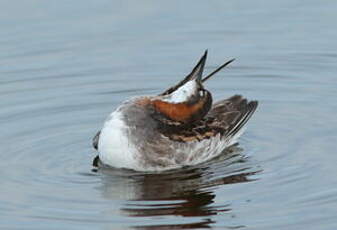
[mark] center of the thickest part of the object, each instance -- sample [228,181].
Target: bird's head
[188,100]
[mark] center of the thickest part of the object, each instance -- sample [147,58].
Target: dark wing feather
[226,117]
[235,104]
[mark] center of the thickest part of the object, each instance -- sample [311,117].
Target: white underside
[114,147]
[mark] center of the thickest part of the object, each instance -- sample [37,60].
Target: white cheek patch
[183,93]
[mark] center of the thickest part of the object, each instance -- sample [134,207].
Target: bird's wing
[226,118]
[232,113]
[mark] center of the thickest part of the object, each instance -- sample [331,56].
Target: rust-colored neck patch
[181,112]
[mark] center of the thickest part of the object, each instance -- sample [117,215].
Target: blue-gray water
[65,65]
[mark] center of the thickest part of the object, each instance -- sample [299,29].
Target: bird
[176,128]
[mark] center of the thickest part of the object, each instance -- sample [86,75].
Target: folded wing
[225,118]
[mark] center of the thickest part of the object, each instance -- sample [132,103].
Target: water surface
[66,65]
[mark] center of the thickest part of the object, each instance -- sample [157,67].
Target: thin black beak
[217,70]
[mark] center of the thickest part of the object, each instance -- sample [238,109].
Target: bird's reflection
[186,192]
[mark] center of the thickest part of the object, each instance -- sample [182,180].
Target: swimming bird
[181,126]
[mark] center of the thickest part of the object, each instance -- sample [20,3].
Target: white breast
[114,146]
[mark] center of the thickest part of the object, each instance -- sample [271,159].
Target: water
[64,66]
